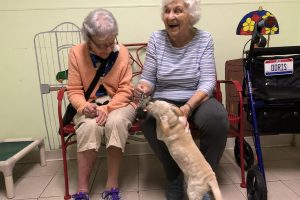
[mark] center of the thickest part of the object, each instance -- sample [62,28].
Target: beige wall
[20,95]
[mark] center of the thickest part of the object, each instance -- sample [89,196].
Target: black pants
[211,120]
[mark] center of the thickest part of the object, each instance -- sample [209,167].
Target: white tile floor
[142,177]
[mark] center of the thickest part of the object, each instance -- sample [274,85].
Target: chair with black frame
[272,90]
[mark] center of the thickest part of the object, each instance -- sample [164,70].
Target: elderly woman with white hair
[108,112]
[180,68]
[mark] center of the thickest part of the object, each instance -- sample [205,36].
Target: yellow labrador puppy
[172,129]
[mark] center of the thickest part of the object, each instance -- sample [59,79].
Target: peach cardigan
[117,82]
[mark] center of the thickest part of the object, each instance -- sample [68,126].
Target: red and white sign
[279,67]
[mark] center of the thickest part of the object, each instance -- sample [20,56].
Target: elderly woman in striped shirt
[180,68]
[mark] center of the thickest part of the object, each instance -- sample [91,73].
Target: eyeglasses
[104,46]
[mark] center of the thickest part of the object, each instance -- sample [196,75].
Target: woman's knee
[119,122]
[211,115]
[122,116]
[88,135]
[87,126]
[221,121]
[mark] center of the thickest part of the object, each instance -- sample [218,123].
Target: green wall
[21,108]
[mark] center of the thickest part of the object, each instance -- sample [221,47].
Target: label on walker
[279,67]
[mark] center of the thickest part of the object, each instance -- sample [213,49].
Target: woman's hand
[101,118]
[141,88]
[90,111]
[186,110]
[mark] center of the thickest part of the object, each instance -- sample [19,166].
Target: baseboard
[266,140]
[143,148]
[297,140]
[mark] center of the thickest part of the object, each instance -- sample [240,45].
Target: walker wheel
[256,185]
[248,154]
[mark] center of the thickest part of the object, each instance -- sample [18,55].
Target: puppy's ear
[177,111]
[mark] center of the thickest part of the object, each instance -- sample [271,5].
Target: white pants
[115,131]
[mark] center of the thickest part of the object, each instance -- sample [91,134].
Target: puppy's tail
[215,189]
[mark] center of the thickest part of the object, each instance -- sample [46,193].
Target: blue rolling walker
[271,88]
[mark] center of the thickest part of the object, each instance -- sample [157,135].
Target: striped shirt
[177,73]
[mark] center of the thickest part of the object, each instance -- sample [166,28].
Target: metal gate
[51,51]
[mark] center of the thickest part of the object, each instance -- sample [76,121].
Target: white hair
[193,7]
[100,23]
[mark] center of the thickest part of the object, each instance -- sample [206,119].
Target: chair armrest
[239,90]
[60,96]
[236,83]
